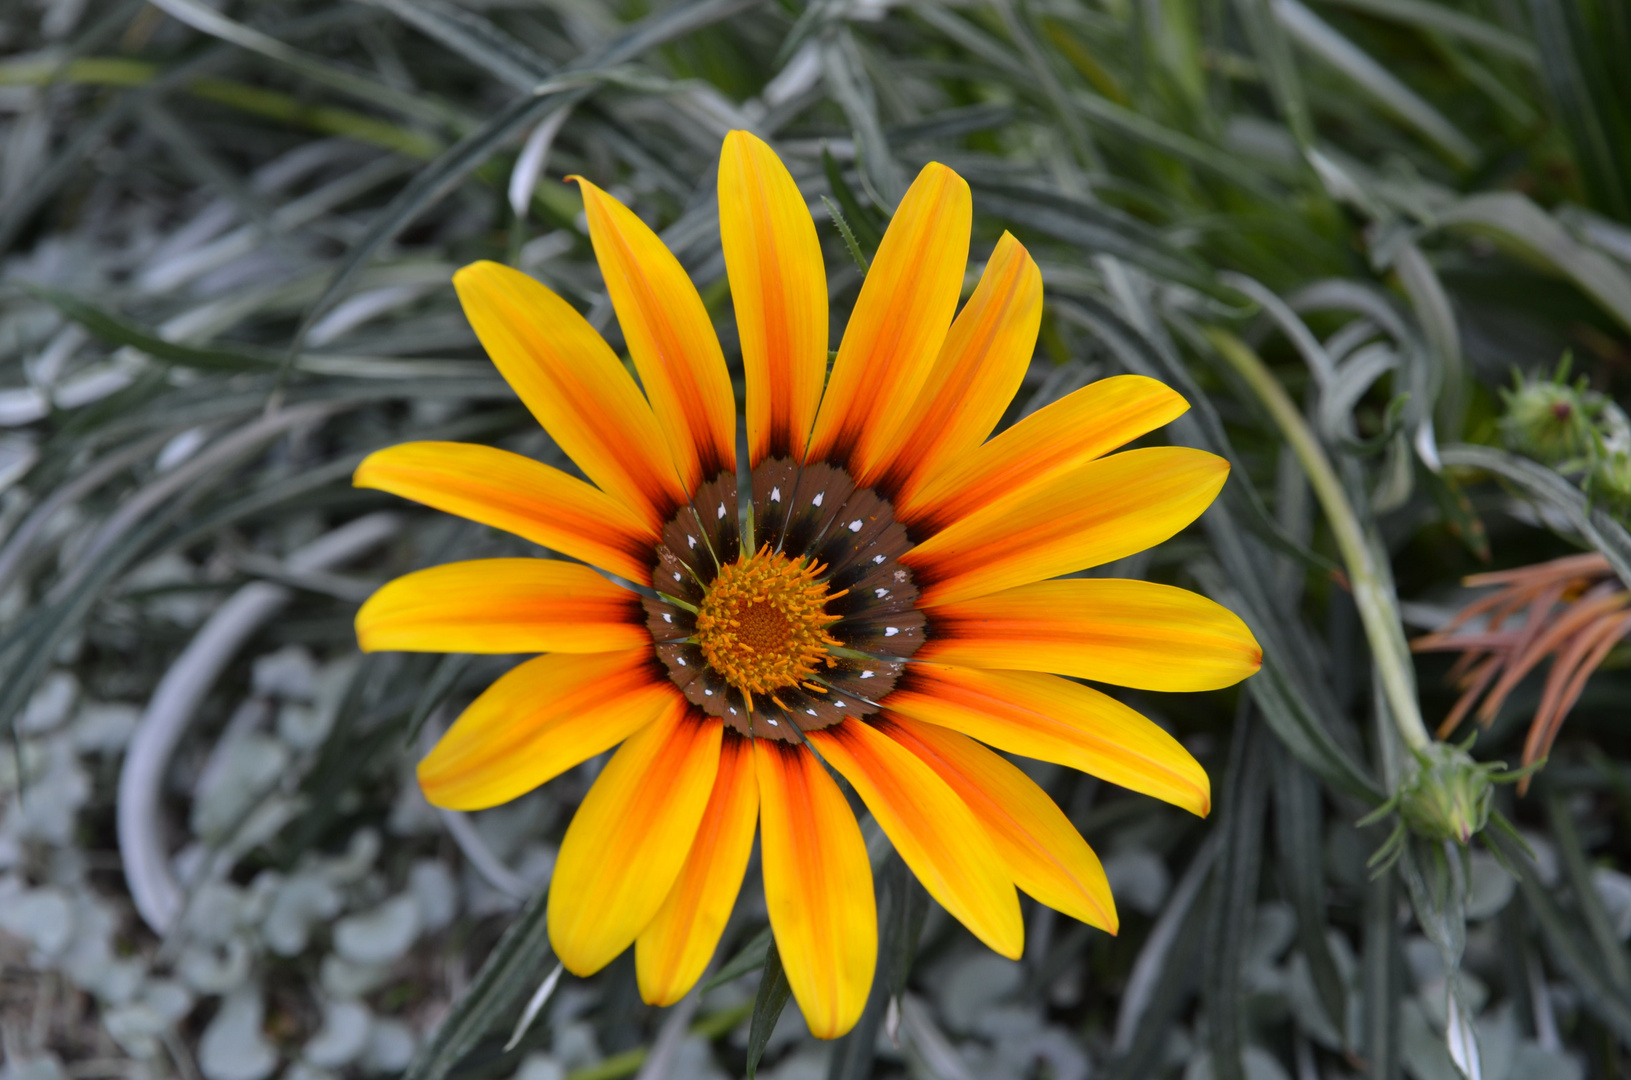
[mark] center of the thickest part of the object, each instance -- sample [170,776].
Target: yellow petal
[675,947]
[1077,428]
[1053,719]
[931,827]
[503,606]
[1040,847]
[520,496]
[539,720]
[670,337]
[1128,633]
[779,290]
[818,887]
[572,381]
[1077,518]
[979,368]
[899,321]
[630,837]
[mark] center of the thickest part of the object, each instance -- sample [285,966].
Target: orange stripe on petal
[818,887]
[1077,518]
[574,384]
[979,368]
[1128,633]
[675,947]
[899,322]
[630,838]
[1053,719]
[502,606]
[779,290]
[1043,851]
[934,831]
[1077,428]
[520,496]
[540,719]
[670,338]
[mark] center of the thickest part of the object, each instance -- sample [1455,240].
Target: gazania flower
[1572,609]
[872,593]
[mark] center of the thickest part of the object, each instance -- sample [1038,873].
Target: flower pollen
[763,623]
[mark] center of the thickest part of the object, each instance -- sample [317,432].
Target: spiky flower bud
[1551,420]
[1448,795]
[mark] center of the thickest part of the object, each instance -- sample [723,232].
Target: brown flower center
[763,623]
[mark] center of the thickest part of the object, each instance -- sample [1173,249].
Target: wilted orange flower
[1572,609]
[874,600]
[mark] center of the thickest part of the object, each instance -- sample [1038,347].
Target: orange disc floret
[763,624]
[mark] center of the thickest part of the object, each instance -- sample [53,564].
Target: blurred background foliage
[226,234]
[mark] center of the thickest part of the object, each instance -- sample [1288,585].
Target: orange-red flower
[1572,609]
[874,601]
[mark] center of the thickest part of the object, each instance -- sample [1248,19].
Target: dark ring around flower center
[812,512]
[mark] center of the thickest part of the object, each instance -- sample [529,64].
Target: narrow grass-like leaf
[1586,898]
[505,979]
[475,38]
[1322,39]
[1603,533]
[1558,930]
[450,170]
[847,82]
[747,958]
[438,688]
[1298,819]
[768,1003]
[844,230]
[1447,20]
[1381,979]
[1511,218]
[1234,895]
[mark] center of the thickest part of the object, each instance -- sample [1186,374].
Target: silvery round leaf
[343,979]
[390,1047]
[379,936]
[42,917]
[1139,879]
[233,1046]
[49,705]
[295,906]
[437,894]
[215,968]
[1615,890]
[290,673]
[343,1036]
[540,1066]
[1490,887]
[973,984]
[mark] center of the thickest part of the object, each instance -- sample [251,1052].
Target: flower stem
[1372,588]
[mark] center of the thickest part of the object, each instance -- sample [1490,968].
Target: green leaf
[438,180]
[1512,219]
[767,1007]
[866,222]
[1234,896]
[1298,820]
[443,678]
[1381,980]
[1582,52]
[1586,897]
[1599,530]
[1444,19]
[747,958]
[1322,39]
[119,331]
[475,38]
[1558,931]
[510,973]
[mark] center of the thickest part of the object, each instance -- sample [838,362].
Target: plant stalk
[1372,590]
